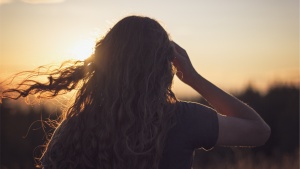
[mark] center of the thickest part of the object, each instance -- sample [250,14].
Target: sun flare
[82,49]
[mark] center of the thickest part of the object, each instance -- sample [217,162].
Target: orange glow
[81,49]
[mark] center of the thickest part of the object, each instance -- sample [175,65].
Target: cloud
[42,1]
[2,2]
[5,1]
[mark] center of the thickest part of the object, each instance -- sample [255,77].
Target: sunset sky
[232,43]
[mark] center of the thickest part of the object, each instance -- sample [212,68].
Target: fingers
[179,51]
[178,48]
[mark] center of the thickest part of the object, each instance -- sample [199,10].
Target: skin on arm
[239,124]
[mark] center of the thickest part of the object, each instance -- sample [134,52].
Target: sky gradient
[232,43]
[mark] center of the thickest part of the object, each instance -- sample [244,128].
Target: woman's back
[124,108]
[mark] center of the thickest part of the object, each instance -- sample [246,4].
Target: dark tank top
[196,127]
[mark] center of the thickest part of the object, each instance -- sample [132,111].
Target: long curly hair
[124,106]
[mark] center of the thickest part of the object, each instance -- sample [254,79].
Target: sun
[82,49]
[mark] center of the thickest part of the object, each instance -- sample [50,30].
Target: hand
[185,69]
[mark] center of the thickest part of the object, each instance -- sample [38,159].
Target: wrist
[191,78]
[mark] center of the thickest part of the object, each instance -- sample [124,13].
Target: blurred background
[248,48]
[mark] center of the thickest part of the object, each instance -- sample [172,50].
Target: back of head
[136,50]
[123,109]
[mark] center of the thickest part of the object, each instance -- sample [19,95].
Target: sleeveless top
[197,127]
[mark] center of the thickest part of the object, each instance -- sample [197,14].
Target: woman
[125,114]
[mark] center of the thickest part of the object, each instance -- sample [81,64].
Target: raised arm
[239,124]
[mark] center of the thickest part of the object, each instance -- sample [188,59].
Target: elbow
[263,135]
[267,133]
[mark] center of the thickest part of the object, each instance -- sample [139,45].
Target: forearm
[221,101]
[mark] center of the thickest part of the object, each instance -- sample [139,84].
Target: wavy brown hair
[124,105]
